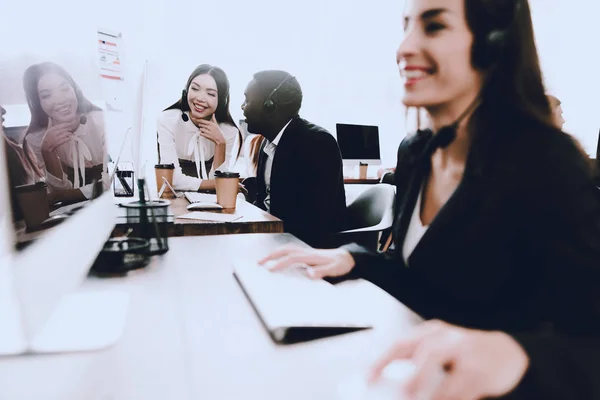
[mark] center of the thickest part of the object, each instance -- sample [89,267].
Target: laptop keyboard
[195,197]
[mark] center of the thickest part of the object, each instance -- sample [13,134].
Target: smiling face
[203,96]
[57,98]
[435,56]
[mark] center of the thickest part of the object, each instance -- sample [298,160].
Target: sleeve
[168,155]
[231,145]
[55,183]
[564,225]
[97,122]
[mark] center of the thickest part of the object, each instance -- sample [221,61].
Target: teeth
[414,73]
[63,109]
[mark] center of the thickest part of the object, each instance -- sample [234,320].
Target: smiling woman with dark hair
[66,132]
[497,225]
[197,134]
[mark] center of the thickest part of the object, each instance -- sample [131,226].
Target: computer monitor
[598,148]
[358,144]
[58,159]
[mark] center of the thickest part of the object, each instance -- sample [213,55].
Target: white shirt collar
[278,137]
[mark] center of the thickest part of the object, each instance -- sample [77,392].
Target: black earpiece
[184,106]
[269,105]
[489,51]
[82,120]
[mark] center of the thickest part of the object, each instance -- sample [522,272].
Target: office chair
[368,215]
[250,185]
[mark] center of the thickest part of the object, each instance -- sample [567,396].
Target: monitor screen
[358,142]
[54,135]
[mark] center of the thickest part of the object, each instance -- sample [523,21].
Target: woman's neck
[447,115]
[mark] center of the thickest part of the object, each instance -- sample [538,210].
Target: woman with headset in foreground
[497,227]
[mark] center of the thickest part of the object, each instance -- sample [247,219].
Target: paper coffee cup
[227,184]
[166,171]
[33,202]
[362,172]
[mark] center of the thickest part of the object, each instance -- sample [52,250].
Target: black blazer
[307,183]
[516,248]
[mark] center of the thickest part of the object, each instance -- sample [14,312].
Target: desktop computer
[359,145]
[59,157]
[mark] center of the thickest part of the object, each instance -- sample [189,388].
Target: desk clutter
[147,236]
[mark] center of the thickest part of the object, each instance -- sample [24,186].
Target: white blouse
[415,230]
[86,149]
[179,139]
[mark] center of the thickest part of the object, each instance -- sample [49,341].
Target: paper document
[209,216]
[290,299]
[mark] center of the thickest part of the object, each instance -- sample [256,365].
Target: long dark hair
[222,114]
[31,79]
[514,85]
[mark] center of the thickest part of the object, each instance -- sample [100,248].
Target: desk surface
[358,181]
[191,334]
[253,220]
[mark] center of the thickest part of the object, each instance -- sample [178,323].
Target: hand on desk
[477,364]
[323,263]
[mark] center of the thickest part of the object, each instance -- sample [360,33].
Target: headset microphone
[184,102]
[446,134]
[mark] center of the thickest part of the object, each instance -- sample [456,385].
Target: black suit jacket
[516,248]
[307,183]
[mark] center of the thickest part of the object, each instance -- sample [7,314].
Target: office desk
[254,220]
[192,334]
[358,181]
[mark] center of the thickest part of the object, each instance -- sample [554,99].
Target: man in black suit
[299,174]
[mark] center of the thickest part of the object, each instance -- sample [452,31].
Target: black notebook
[294,308]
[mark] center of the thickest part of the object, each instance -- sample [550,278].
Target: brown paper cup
[164,170]
[227,184]
[362,172]
[33,202]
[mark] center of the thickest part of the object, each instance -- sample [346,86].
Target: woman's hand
[458,363]
[323,263]
[211,131]
[57,135]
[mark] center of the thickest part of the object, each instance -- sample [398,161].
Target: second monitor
[358,144]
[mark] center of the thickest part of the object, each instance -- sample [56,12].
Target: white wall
[569,46]
[342,52]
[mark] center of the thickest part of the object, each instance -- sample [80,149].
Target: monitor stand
[82,321]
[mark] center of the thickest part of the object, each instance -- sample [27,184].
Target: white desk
[191,334]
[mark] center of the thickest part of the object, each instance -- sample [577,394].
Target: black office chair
[250,185]
[368,215]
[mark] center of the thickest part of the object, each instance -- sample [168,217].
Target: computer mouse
[204,206]
[389,387]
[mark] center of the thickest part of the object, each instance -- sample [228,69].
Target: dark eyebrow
[428,14]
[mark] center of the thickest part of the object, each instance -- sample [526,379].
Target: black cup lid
[165,166]
[221,174]
[30,188]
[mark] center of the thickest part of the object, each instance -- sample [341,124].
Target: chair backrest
[250,184]
[373,209]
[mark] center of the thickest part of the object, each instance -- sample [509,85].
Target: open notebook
[295,308]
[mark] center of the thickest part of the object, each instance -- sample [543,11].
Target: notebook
[294,308]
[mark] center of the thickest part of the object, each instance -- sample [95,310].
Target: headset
[269,105]
[489,51]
